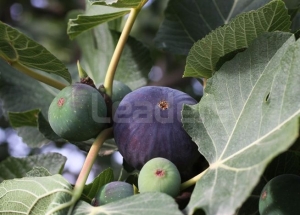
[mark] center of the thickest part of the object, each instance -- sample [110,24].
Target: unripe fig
[280,196]
[120,90]
[111,192]
[159,175]
[147,124]
[77,113]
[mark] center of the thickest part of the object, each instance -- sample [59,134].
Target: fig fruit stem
[204,82]
[87,166]
[192,181]
[83,175]
[49,81]
[108,82]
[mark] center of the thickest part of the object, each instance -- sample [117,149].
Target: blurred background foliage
[45,21]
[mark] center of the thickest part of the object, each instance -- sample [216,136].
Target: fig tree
[147,124]
[280,196]
[159,175]
[77,113]
[111,192]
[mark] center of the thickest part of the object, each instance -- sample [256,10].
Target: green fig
[111,192]
[120,90]
[159,175]
[77,113]
[280,196]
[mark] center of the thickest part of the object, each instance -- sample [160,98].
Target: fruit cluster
[147,129]
[147,122]
[157,175]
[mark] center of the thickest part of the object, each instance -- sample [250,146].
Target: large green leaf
[34,195]
[119,3]
[16,47]
[134,65]
[237,34]
[247,116]
[18,167]
[146,204]
[95,15]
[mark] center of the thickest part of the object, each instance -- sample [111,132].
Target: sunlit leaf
[16,47]
[34,195]
[247,116]
[237,34]
[18,167]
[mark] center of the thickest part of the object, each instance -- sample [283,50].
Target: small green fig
[111,192]
[120,90]
[77,113]
[280,196]
[159,175]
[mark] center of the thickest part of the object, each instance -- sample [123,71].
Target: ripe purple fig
[147,124]
[159,175]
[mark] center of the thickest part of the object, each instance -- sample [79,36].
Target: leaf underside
[34,195]
[146,204]
[246,117]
